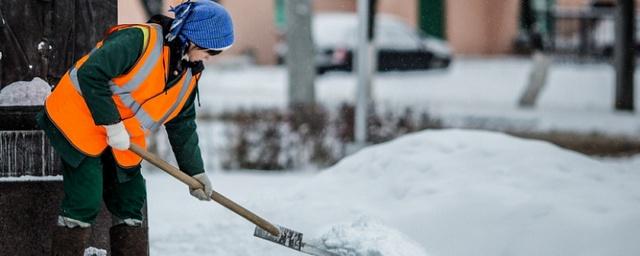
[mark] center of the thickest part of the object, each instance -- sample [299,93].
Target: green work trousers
[97,178]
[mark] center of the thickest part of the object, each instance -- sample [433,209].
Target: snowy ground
[439,193]
[577,98]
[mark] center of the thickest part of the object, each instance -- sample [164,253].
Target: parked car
[399,46]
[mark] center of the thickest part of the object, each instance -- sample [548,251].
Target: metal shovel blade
[292,239]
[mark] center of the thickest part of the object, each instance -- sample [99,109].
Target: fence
[586,34]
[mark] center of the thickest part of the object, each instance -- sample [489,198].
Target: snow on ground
[630,163]
[449,192]
[29,178]
[370,238]
[25,93]
[92,251]
[576,98]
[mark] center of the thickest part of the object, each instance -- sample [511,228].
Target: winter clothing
[140,97]
[125,240]
[69,241]
[94,181]
[90,178]
[117,136]
[205,23]
[203,194]
[108,62]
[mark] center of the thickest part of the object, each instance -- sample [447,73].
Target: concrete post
[300,52]
[365,63]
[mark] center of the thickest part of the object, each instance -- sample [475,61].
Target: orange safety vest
[139,95]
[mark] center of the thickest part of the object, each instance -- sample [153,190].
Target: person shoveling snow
[139,78]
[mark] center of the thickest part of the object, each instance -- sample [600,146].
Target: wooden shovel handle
[195,184]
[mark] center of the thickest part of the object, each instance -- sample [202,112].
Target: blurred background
[294,92]
[543,69]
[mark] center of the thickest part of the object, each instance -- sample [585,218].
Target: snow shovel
[264,229]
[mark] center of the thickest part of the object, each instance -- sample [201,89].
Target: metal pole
[625,54]
[365,55]
[300,52]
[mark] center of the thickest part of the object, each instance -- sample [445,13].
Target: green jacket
[118,54]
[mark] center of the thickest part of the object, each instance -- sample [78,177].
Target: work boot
[69,241]
[129,240]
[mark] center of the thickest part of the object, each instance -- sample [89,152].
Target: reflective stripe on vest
[137,79]
[144,118]
[181,95]
[144,104]
[73,74]
[124,92]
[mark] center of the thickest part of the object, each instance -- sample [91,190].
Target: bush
[307,136]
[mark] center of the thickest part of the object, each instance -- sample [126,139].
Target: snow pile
[25,93]
[29,178]
[480,193]
[367,237]
[92,251]
[451,192]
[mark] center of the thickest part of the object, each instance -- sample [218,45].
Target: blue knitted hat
[205,23]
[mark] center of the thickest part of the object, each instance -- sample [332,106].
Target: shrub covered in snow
[275,139]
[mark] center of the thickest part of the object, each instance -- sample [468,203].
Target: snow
[369,237]
[25,93]
[577,98]
[28,178]
[446,192]
[92,251]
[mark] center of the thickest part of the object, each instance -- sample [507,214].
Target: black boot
[69,241]
[129,240]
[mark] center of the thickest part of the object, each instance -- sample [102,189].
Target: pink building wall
[329,5]
[481,26]
[130,12]
[255,29]
[407,10]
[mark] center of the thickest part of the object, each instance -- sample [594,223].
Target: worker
[139,78]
